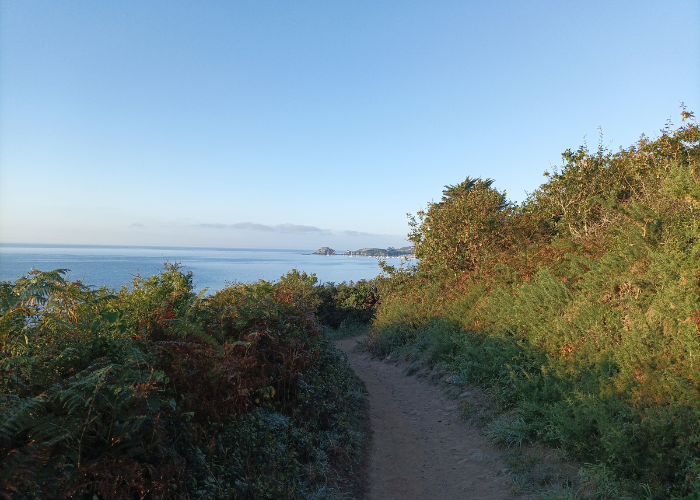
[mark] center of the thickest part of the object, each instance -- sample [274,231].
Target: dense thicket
[156,392]
[579,308]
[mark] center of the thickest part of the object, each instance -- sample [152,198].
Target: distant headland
[370,252]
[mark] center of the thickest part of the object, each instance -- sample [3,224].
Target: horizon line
[150,247]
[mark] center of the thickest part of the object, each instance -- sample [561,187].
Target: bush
[348,304]
[578,309]
[160,393]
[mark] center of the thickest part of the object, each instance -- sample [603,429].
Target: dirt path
[421,449]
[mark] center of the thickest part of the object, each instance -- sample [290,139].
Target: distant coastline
[114,267]
[370,252]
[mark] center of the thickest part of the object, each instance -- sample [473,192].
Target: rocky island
[324,251]
[370,252]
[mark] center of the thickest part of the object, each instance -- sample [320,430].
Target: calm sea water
[113,266]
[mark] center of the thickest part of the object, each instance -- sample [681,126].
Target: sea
[212,268]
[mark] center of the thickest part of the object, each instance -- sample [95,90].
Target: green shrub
[346,303]
[578,309]
[161,393]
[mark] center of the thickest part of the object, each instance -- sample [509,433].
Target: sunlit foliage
[578,309]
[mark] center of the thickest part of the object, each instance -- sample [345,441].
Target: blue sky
[277,124]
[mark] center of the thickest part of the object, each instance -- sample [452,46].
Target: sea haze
[114,266]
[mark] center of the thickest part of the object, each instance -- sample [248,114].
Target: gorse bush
[156,392]
[579,308]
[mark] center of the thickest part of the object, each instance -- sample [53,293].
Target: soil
[421,448]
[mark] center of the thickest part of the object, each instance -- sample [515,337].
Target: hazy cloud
[240,225]
[296,235]
[356,233]
[294,228]
[252,226]
[281,228]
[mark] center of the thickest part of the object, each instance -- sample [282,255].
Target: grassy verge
[540,469]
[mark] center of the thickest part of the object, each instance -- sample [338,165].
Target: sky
[277,124]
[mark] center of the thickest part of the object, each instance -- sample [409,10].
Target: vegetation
[578,309]
[160,393]
[344,305]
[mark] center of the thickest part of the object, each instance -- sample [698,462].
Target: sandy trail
[421,449]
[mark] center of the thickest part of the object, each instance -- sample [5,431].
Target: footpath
[421,449]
